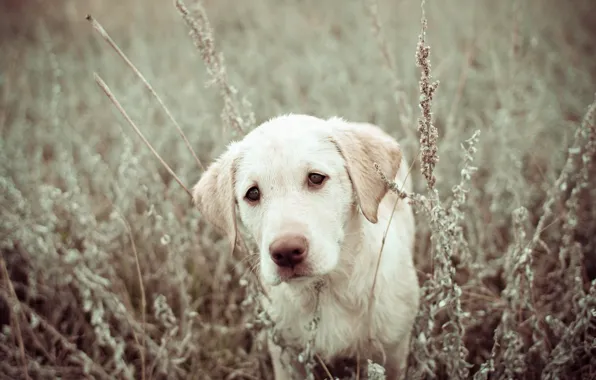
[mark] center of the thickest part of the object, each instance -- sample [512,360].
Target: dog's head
[295,181]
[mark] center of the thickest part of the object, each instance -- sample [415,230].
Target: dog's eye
[253,194]
[316,179]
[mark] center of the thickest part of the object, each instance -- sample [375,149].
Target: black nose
[289,250]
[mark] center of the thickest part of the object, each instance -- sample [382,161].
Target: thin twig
[97,26]
[7,86]
[400,195]
[428,131]
[322,363]
[111,96]
[142,288]
[562,180]
[463,77]
[17,311]
[57,337]
[358,365]
[202,36]
[401,100]
[372,289]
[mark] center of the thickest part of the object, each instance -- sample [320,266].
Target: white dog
[308,192]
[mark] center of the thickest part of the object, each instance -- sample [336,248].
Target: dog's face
[295,197]
[295,181]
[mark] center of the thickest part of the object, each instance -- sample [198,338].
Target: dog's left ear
[213,195]
[362,145]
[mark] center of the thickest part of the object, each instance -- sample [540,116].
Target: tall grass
[108,272]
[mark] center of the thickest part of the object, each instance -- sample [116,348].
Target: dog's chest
[337,327]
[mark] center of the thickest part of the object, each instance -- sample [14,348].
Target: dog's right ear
[213,195]
[362,145]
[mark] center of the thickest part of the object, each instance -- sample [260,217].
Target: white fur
[344,245]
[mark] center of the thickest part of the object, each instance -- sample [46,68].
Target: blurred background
[87,211]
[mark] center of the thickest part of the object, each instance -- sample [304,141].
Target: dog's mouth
[293,274]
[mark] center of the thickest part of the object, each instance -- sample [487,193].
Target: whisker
[245,260]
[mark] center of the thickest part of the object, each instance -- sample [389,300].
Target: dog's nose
[289,250]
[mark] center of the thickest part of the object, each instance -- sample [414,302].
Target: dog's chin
[297,277]
[291,277]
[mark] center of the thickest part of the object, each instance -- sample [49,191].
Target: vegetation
[108,272]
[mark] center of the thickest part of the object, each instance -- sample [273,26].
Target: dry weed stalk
[202,36]
[577,341]
[15,316]
[440,294]
[405,111]
[236,122]
[427,130]
[143,296]
[205,35]
[511,360]
[102,32]
[568,351]
[583,135]
[104,87]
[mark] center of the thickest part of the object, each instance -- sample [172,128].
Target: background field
[108,271]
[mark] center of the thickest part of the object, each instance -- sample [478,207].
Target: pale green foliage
[505,218]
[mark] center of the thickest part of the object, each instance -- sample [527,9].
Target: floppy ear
[362,145]
[214,193]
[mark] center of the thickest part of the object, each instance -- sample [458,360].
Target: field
[109,272]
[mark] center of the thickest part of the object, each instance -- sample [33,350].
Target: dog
[308,192]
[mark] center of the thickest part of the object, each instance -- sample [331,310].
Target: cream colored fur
[344,222]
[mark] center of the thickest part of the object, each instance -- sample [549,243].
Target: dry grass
[108,272]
